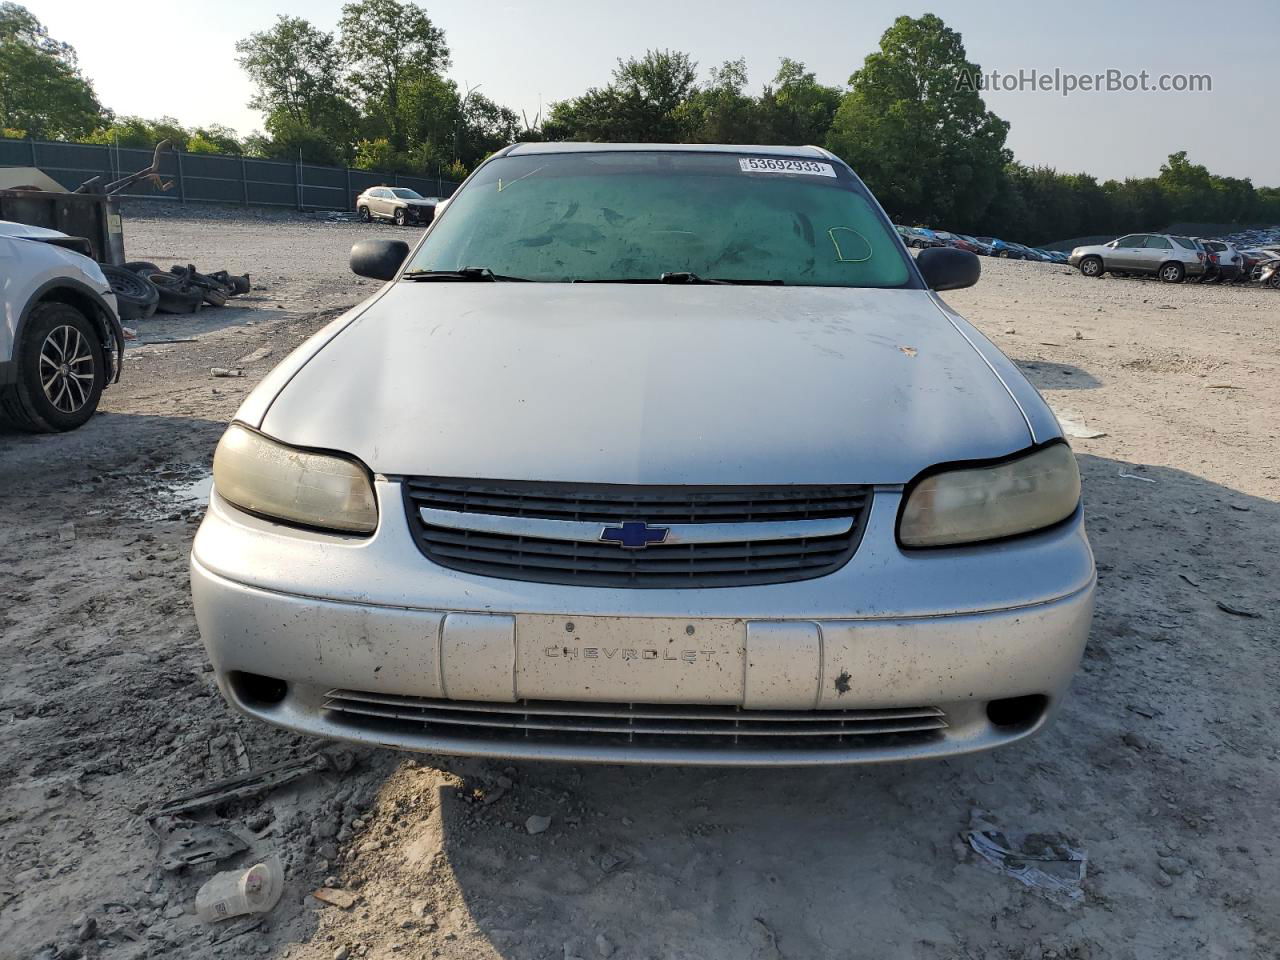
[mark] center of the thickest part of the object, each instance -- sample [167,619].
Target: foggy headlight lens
[986,503]
[315,489]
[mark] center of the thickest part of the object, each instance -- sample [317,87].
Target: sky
[530,55]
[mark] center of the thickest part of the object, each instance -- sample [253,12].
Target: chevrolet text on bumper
[779,507]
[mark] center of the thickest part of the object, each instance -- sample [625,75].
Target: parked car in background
[60,337]
[400,205]
[977,245]
[998,246]
[961,242]
[1224,261]
[1253,260]
[923,238]
[420,535]
[1171,258]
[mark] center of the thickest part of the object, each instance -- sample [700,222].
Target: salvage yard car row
[1174,258]
[924,238]
[1252,256]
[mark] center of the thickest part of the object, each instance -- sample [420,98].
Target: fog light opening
[1017,713]
[257,690]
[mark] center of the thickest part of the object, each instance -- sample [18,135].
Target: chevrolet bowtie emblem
[633,534]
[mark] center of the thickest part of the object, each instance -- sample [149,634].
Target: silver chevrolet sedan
[650,454]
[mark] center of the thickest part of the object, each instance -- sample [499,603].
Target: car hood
[639,383]
[9,228]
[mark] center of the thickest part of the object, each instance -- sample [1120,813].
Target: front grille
[741,563]
[659,725]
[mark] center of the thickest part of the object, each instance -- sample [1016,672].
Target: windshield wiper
[685,276]
[472,274]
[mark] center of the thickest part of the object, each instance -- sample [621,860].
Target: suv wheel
[61,372]
[1173,272]
[1091,266]
[364,214]
[400,216]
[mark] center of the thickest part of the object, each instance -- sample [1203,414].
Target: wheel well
[85,304]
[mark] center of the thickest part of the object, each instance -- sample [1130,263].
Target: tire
[175,295]
[61,371]
[1091,267]
[136,296]
[215,298]
[235,285]
[1172,272]
[1274,281]
[142,266]
[401,216]
[365,215]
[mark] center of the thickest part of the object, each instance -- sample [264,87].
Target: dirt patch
[1158,767]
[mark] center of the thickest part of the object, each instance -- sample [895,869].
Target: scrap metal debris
[244,786]
[1047,863]
[185,843]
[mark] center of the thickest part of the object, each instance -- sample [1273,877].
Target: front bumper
[371,622]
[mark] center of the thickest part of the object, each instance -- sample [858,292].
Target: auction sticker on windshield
[784,165]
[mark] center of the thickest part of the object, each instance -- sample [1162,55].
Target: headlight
[986,503]
[315,489]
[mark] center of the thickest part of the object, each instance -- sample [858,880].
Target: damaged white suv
[60,337]
[653,454]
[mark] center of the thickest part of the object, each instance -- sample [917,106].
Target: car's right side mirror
[378,259]
[946,268]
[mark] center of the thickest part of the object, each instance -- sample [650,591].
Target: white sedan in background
[60,337]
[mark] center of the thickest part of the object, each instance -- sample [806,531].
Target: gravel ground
[1157,767]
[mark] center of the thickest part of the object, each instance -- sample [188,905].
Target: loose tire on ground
[61,371]
[215,298]
[1173,272]
[142,266]
[1091,267]
[175,297]
[136,296]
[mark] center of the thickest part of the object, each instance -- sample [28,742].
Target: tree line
[373,95]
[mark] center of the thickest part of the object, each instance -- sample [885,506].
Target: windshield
[637,215]
[404,193]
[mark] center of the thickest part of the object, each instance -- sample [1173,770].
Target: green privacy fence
[212,178]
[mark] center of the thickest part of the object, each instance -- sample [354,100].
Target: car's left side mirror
[948,268]
[378,259]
